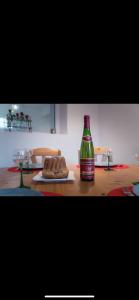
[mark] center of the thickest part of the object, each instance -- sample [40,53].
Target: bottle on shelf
[87,166]
[9,119]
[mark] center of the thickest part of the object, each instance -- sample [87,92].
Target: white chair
[38,155]
[101,154]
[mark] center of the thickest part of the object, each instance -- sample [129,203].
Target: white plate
[105,164]
[39,177]
[33,166]
[136,189]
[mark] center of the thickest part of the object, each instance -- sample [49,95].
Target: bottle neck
[87,123]
[86,130]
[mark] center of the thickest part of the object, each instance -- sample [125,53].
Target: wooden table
[104,181]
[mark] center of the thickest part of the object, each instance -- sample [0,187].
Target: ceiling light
[14,106]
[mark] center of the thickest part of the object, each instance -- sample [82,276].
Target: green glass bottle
[87,167]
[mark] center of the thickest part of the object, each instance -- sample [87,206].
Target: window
[42,117]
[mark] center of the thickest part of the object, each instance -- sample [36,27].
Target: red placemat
[122,166]
[78,166]
[118,192]
[15,169]
[51,194]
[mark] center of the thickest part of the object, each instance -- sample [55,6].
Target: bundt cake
[55,167]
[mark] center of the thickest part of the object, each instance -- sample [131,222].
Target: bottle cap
[86,116]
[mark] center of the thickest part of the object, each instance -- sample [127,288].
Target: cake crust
[54,168]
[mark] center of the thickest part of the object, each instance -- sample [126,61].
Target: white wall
[114,125]
[61,118]
[119,124]
[67,138]
[11,141]
[76,114]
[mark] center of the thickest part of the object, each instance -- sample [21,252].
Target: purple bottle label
[87,138]
[87,168]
